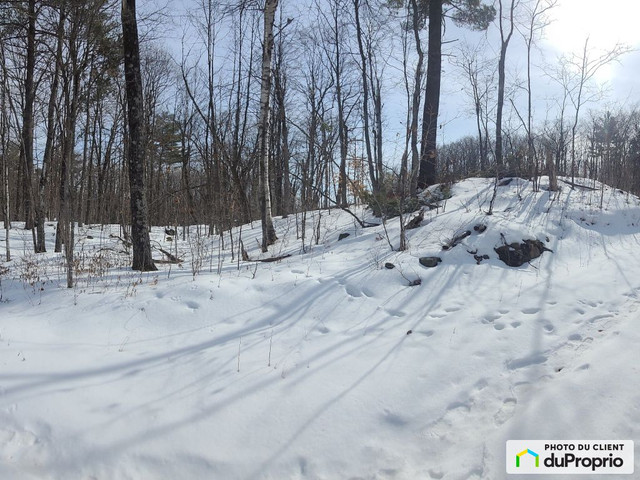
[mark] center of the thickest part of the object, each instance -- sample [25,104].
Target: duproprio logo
[573,457]
[530,452]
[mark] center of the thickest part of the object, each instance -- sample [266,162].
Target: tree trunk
[428,155]
[142,259]
[4,138]
[51,130]
[504,44]
[365,100]
[26,145]
[268,231]
[415,100]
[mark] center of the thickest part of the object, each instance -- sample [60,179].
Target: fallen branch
[456,240]
[172,258]
[273,259]
[573,184]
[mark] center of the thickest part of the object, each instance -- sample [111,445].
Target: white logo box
[572,457]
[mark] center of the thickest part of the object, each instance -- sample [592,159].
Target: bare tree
[536,22]
[268,231]
[142,259]
[506,32]
[478,74]
[4,150]
[584,67]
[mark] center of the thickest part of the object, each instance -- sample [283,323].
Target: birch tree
[268,231]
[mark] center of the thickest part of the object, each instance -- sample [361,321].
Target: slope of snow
[325,364]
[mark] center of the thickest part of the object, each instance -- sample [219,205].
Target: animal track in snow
[499,326]
[549,328]
[396,313]
[516,324]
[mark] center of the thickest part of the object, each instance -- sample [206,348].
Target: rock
[480,228]
[170,231]
[429,262]
[416,282]
[480,258]
[409,332]
[516,254]
[389,266]
[342,236]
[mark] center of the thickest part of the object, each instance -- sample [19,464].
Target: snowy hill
[326,364]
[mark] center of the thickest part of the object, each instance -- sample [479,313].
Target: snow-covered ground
[326,364]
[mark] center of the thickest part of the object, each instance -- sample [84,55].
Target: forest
[252,109]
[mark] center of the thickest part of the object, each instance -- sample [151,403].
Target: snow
[305,368]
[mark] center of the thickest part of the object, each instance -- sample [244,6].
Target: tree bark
[365,100]
[415,100]
[268,231]
[504,44]
[26,145]
[142,259]
[428,156]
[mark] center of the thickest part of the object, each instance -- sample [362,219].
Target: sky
[571,23]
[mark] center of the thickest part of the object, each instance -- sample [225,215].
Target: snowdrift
[326,364]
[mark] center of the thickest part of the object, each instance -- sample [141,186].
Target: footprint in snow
[352,291]
[518,363]
[368,293]
[530,311]
[192,305]
[600,317]
[506,411]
